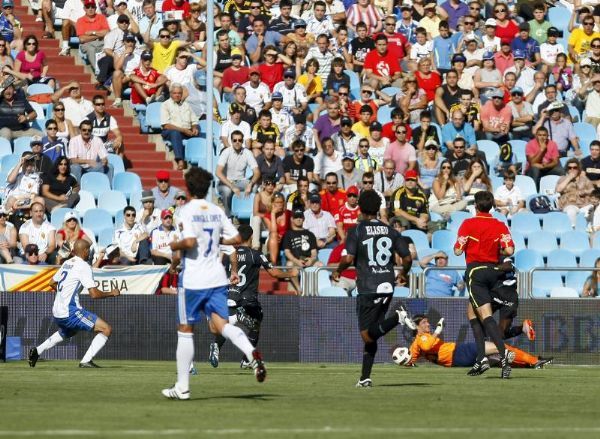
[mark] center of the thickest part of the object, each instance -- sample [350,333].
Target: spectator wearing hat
[525,73]
[10,26]
[349,175]
[41,162]
[53,146]
[401,151]
[299,246]
[298,131]
[132,240]
[160,238]
[151,22]
[124,64]
[539,26]
[235,123]
[346,140]
[550,48]
[39,231]
[76,106]
[31,255]
[234,75]
[441,283]
[592,103]
[149,215]
[324,55]
[320,223]
[91,30]
[279,115]
[527,45]
[114,45]
[293,94]
[70,232]
[410,203]
[489,40]
[23,185]
[496,117]
[16,114]
[382,65]
[147,83]
[488,78]
[328,160]
[232,168]
[522,115]
[88,154]
[542,156]
[59,187]
[258,94]
[163,192]
[178,122]
[388,180]
[301,37]
[473,55]
[560,129]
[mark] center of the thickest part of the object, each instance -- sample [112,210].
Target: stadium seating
[527,259]
[135,200]
[95,183]
[576,279]
[548,184]
[196,150]
[596,241]
[86,202]
[557,223]
[518,239]
[21,145]
[384,114]
[241,206]
[323,255]
[5,148]
[491,150]
[526,184]
[153,117]
[456,261]
[117,162]
[105,237]
[119,219]
[443,240]
[518,147]
[562,258]
[559,17]
[57,217]
[97,220]
[576,242]
[543,242]
[127,182]
[588,257]
[401,292]
[563,292]
[38,89]
[332,292]
[525,223]
[112,201]
[456,219]
[420,239]
[542,282]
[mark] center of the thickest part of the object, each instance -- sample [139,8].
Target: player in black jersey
[374,248]
[244,307]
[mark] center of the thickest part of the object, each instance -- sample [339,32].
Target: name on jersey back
[376,230]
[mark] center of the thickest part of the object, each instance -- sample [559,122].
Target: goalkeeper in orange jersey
[431,347]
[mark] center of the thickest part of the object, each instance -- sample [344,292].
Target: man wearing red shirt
[366,98]
[91,30]
[347,279]
[177,5]
[389,129]
[396,40]
[332,198]
[146,82]
[483,239]
[347,217]
[382,66]
[236,74]
[271,71]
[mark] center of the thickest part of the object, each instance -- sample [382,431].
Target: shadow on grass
[406,385]
[252,396]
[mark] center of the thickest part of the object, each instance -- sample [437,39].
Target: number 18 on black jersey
[373,245]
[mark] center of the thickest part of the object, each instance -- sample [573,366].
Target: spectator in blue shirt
[443,49]
[458,127]
[260,39]
[455,10]
[529,46]
[440,283]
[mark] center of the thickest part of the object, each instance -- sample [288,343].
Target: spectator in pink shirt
[88,154]
[401,152]
[496,117]
[542,157]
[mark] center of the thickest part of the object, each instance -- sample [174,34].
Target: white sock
[185,356]
[97,343]
[65,44]
[50,342]
[239,339]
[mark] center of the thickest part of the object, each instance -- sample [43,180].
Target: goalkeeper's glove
[439,327]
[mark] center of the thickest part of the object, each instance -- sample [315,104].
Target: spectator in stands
[377,143]
[401,152]
[8,238]
[232,168]
[15,115]
[360,46]
[347,215]
[64,128]
[164,193]
[91,30]
[529,47]
[284,24]
[538,26]
[6,59]
[114,46]
[458,127]
[562,73]
[149,215]
[582,84]
[550,49]
[560,129]
[332,197]
[298,164]
[476,178]
[40,232]
[328,124]
[161,237]
[458,156]
[429,161]
[163,51]
[270,165]
[299,246]
[337,77]
[41,163]
[257,94]
[575,190]
[59,187]
[53,146]
[320,222]
[236,73]
[23,185]
[346,140]
[147,84]
[261,210]
[261,40]
[349,175]
[382,65]
[488,78]
[446,192]
[422,48]
[88,154]
[347,279]
[525,73]
[506,28]
[10,26]
[264,130]
[542,156]
[151,23]
[273,67]
[447,96]
[279,223]
[293,94]
[581,39]
[132,240]
[31,255]
[590,165]
[592,103]
[103,124]
[441,283]
[427,79]
[124,64]
[496,118]
[328,160]
[31,65]
[522,115]
[398,119]
[235,123]
[410,203]
[65,238]
[387,181]
[75,105]
[363,160]
[323,53]
[508,197]
[590,287]
[178,122]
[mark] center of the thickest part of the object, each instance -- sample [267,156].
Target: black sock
[493,331]
[380,329]
[253,336]
[479,336]
[220,340]
[368,360]
[513,331]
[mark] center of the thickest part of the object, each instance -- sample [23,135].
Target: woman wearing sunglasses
[506,28]
[31,64]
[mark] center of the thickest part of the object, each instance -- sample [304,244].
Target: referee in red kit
[484,240]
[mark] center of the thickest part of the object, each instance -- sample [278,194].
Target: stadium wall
[297,329]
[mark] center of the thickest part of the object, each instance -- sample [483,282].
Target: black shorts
[372,308]
[249,314]
[505,300]
[480,280]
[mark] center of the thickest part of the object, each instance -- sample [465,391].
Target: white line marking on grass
[307,431]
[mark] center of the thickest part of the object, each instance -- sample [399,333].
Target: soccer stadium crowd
[427,103]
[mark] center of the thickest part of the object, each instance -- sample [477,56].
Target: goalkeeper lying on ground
[434,349]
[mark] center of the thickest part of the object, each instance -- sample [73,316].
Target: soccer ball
[401,356]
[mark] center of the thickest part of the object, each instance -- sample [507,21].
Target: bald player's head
[81,248]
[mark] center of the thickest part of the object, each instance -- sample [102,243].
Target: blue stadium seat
[543,242]
[216,129]
[548,184]
[105,237]
[224,110]
[40,115]
[112,201]
[588,257]
[527,259]
[5,148]
[518,239]
[57,216]
[563,293]
[8,162]
[562,258]
[574,112]
[500,216]
[21,145]
[97,220]
[117,162]
[401,292]
[86,202]
[518,147]
[456,219]
[241,207]
[119,218]
[332,292]
[585,130]
[38,89]
[95,183]
[153,117]
[354,79]
[497,181]
[323,255]
[384,114]
[526,223]
[559,17]
[456,261]
[135,200]
[491,150]
[543,281]
[391,91]
[443,240]
[575,241]
[127,182]
[419,238]
[576,280]
[596,241]
[196,150]
[526,184]
[557,223]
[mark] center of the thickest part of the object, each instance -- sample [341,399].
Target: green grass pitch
[57,399]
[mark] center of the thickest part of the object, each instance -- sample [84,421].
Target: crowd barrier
[296,329]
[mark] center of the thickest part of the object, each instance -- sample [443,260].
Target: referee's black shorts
[505,300]
[372,308]
[481,278]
